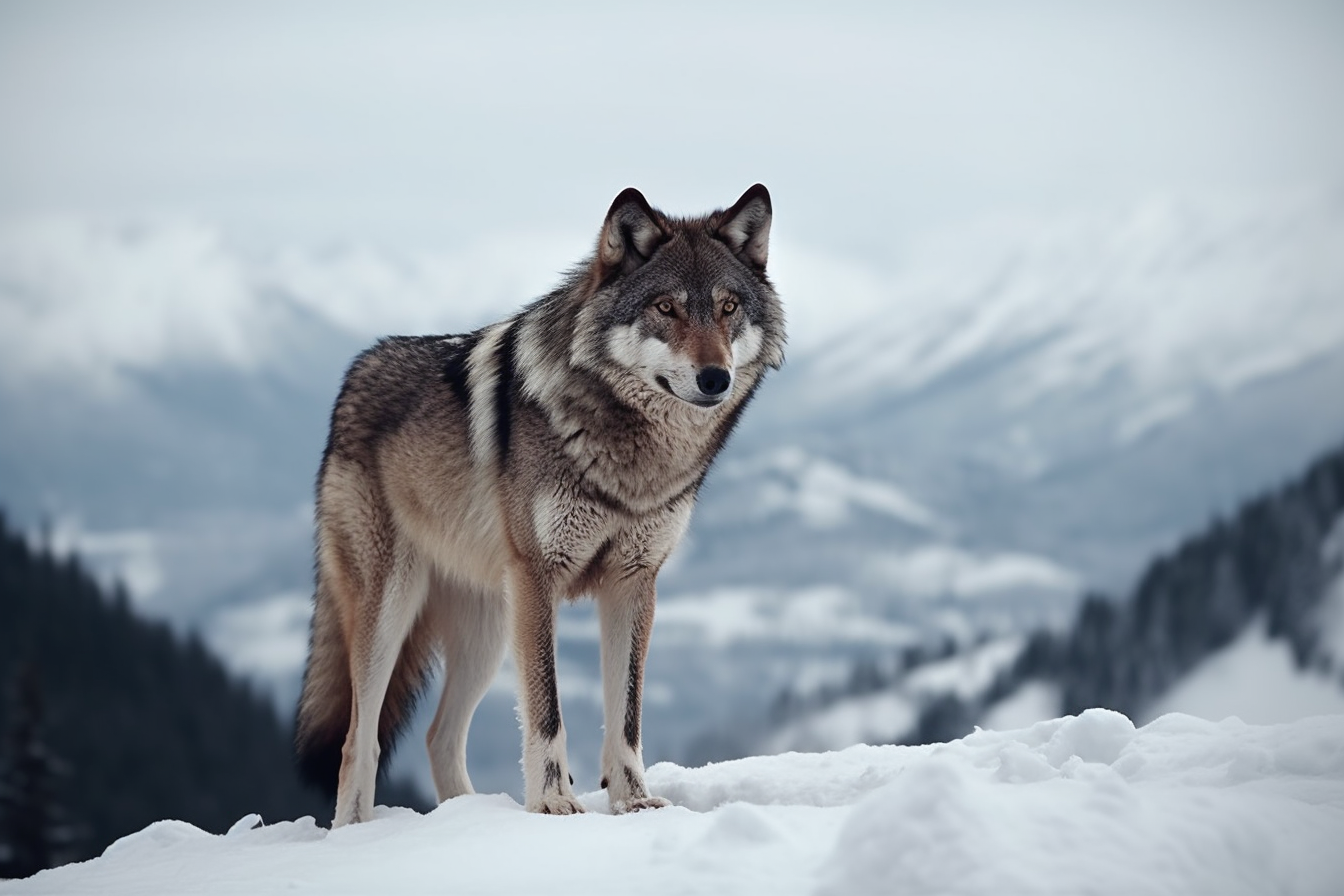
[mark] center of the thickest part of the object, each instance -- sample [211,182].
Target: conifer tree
[32,826]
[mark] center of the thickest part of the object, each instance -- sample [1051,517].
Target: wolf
[470,483]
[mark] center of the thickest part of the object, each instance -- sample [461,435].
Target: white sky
[419,125]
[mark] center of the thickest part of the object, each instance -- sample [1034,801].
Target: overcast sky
[418,125]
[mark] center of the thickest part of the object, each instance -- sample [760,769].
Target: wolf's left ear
[746,227]
[630,234]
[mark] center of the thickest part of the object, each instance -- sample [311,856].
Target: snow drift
[1078,804]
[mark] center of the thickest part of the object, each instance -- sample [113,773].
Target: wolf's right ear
[630,234]
[746,226]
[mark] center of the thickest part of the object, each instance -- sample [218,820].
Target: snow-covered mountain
[1243,619]
[961,442]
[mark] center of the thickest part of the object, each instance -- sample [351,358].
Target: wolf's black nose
[713,380]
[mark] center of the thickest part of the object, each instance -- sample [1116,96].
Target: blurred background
[1060,425]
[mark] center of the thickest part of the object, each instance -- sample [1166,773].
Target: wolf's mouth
[708,403]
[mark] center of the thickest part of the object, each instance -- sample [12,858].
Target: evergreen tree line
[109,722]
[1269,560]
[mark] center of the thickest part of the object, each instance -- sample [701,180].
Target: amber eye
[665,307]
[729,308]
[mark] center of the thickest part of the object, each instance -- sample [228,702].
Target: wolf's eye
[664,307]
[729,308]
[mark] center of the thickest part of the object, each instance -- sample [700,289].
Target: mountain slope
[1275,563]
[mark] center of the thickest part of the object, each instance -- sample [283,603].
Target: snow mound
[1078,804]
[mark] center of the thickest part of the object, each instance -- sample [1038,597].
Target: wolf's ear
[630,234]
[746,227]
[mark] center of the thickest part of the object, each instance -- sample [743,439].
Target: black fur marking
[601,495]
[552,775]
[688,490]
[597,561]
[504,386]
[632,781]
[632,690]
[728,424]
[600,556]
[456,367]
[548,721]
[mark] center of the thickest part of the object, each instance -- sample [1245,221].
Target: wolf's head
[684,305]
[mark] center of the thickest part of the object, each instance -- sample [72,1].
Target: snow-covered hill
[1083,804]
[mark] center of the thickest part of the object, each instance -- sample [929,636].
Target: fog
[426,125]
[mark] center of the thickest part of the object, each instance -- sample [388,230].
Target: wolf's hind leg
[625,610]
[380,630]
[471,627]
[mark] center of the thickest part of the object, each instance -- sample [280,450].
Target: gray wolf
[472,482]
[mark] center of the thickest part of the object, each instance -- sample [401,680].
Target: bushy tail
[324,706]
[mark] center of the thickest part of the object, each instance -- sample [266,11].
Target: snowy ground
[1073,805]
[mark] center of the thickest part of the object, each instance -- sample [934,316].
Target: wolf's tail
[324,706]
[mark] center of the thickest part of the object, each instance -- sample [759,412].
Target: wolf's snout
[713,380]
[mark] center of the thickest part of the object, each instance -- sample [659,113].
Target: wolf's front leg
[626,612]
[546,780]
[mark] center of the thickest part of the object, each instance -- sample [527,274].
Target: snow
[824,494]
[1255,679]
[1330,615]
[1247,290]
[1330,612]
[1033,702]
[933,571]
[824,615]
[1078,804]
[967,673]
[1150,418]
[891,714]
[880,717]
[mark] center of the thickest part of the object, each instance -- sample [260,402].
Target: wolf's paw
[557,804]
[638,804]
